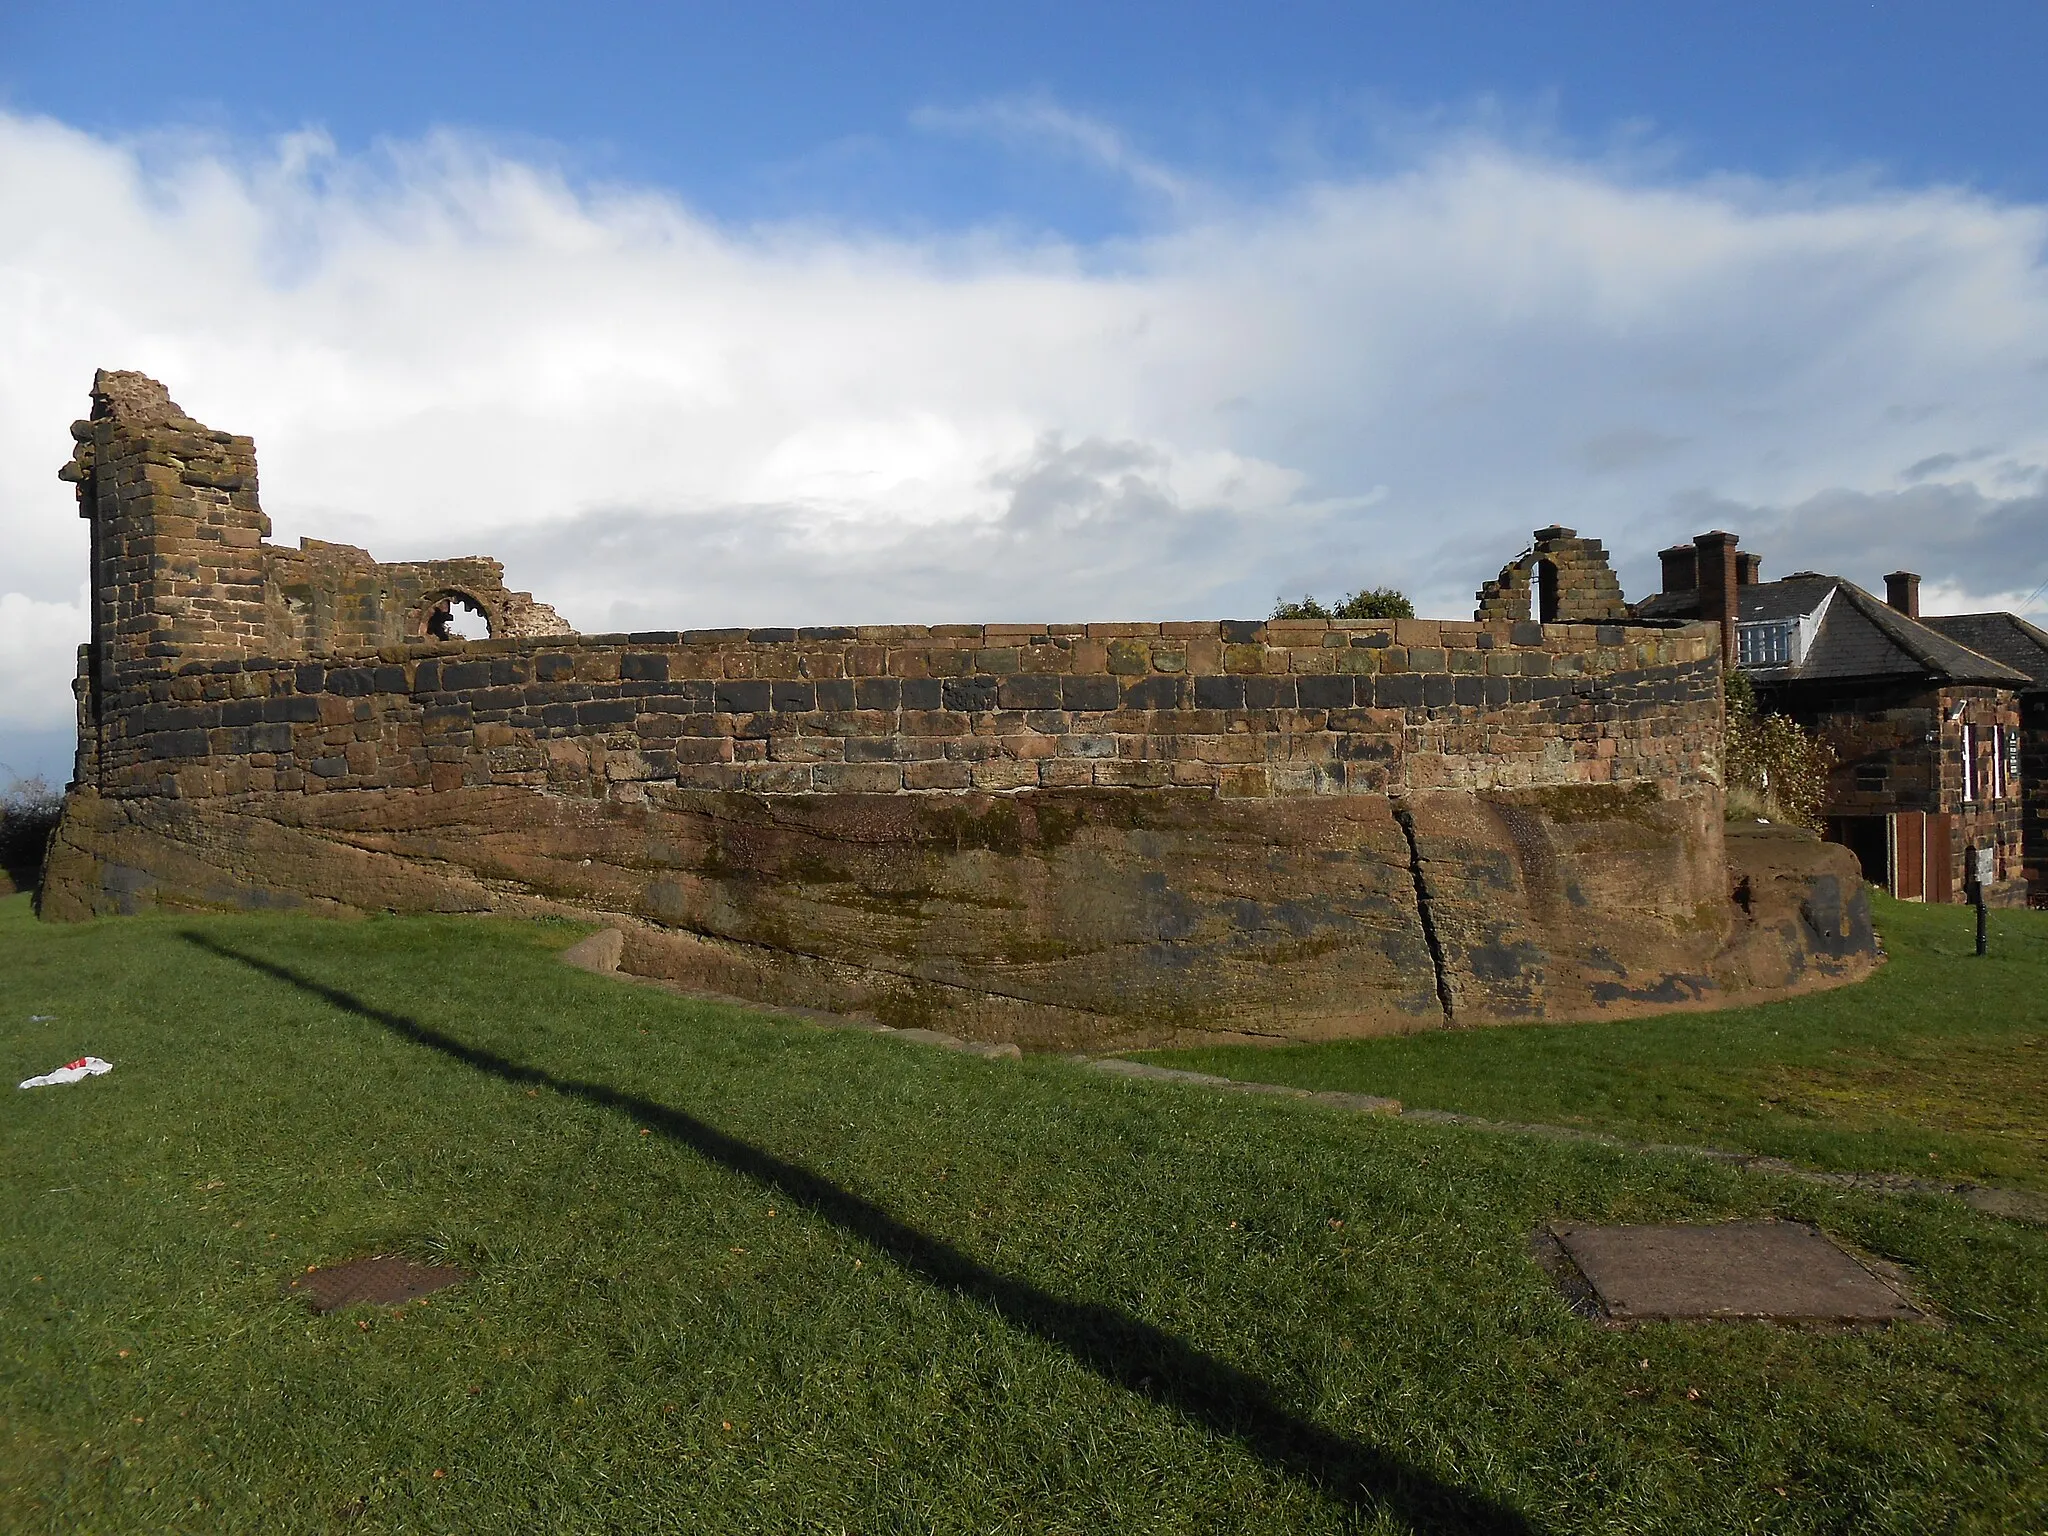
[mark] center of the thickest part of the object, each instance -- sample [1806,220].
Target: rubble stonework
[1569,574]
[1071,834]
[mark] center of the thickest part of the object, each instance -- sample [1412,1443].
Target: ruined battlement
[1061,833]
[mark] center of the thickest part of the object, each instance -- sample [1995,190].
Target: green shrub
[1773,768]
[1369,603]
[28,815]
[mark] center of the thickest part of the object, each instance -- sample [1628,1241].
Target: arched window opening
[1546,592]
[456,617]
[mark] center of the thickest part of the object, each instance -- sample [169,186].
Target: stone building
[1926,729]
[2024,647]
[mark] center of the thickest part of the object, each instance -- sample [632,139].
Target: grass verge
[740,1275]
[1935,1066]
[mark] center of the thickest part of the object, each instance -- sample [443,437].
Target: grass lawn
[1937,1066]
[739,1275]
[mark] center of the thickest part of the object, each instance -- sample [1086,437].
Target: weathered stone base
[1083,918]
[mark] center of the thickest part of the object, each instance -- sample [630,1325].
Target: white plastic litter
[71,1072]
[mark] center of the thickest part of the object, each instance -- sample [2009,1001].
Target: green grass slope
[737,1275]
[1936,1066]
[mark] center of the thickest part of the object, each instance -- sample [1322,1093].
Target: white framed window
[1969,763]
[1767,643]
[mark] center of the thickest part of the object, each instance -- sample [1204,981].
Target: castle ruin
[1077,834]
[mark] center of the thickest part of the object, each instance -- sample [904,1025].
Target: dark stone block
[1034,690]
[1156,692]
[546,669]
[270,738]
[1609,634]
[389,679]
[1264,692]
[642,667]
[1496,693]
[1219,693]
[836,693]
[1324,691]
[1397,690]
[351,682]
[741,696]
[1243,631]
[971,694]
[179,744]
[1097,693]
[607,712]
[770,636]
[310,679]
[1469,692]
[791,698]
[505,671]
[826,632]
[1377,640]
[1526,632]
[921,693]
[242,711]
[303,710]
[178,717]
[874,749]
[878,692]
[329,767]
[464,674]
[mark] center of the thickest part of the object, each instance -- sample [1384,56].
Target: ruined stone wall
[1078,834]
[1571,573]
[182,570]
[1236,710]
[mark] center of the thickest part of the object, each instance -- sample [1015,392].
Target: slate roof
[1860,636]
[2003,637]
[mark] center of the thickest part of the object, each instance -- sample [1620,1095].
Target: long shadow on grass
[1116,1346]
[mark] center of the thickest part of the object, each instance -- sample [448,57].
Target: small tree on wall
[1371,603]
[1773,768]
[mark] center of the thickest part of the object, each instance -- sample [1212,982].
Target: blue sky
[776,110]
[828,313]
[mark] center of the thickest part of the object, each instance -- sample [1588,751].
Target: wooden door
[1909,855]
[1941,875]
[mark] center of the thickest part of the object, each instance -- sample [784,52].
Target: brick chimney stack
[1749,569]
[1681,571]
[1718,577]
[1902,591]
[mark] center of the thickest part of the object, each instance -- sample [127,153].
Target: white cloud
[660,421]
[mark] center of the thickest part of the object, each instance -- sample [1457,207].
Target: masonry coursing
[1070,834]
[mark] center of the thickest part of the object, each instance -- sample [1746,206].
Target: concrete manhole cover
[1781,1271]
[384,1281]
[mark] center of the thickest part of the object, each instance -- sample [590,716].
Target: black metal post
[1982,947]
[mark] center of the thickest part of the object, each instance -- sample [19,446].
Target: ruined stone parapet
[1560,578]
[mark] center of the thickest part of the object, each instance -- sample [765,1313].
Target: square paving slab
[1784,1271]
[384,1280]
